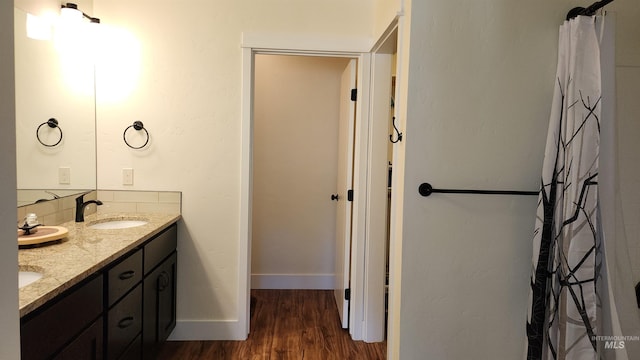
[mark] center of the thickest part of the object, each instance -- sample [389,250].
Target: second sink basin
[27,277]
[116,224]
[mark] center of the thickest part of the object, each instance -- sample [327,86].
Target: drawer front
[124,276]
[87,345]
[133,351]
[46,332]
[124,323]
[160,247]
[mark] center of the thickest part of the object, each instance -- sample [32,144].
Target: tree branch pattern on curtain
[562,322]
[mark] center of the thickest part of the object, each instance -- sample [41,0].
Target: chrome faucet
[81,204]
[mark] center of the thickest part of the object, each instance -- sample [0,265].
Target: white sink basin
[27,277]
[117,224]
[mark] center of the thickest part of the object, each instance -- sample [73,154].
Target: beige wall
[187,92]
[628,88]
[9,325]
[296,112]
[479,80]
[385,12]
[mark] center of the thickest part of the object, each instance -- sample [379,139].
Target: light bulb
[70,13]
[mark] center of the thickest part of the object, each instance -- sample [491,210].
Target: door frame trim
[279,44]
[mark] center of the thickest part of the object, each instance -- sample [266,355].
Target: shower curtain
[581,287]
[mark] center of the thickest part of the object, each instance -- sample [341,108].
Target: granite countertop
[83,252]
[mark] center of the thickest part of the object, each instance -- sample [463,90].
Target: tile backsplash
[140,201]
[31,196]
[58,211]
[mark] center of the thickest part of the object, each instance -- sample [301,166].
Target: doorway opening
[303,133]
[295,149]
[367,257]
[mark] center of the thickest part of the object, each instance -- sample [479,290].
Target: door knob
[335,197]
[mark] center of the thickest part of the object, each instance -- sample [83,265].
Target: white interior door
[344,184]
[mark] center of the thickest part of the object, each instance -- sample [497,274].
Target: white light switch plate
[127,176]
[64,175]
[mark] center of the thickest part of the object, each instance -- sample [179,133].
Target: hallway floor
[285,324]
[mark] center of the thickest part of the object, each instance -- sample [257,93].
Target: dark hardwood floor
[285,324]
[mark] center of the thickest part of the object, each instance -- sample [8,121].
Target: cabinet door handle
[127,275]
[163,281]
[126,322]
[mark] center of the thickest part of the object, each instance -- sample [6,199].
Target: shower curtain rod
[588,11]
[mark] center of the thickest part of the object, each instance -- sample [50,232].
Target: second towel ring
[137,125]
[52,123]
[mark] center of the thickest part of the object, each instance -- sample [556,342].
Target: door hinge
[347,294]
[354,94]
[349,195]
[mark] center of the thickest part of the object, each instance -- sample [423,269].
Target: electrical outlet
[127,176]
[64,175]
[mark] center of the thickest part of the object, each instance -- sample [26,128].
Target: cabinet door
[88,345]
[159,317]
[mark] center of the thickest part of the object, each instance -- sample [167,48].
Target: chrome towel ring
[53,124]
[137,125]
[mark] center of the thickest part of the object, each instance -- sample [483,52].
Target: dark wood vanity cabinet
[68,325]
[125,311]
[142,298]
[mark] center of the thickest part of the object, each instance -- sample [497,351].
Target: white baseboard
[231,329]
[207,330]
[293,281]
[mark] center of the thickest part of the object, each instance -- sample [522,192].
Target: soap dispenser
[30,224]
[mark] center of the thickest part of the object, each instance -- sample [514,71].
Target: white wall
[187,92]
[385,12]
[628,88]
[9,324]
[478,82]
[296,113]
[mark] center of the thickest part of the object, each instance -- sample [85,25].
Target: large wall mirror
[54,80]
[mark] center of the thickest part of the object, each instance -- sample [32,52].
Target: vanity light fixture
[71,12]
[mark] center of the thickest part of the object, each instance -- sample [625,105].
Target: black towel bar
[425,189]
